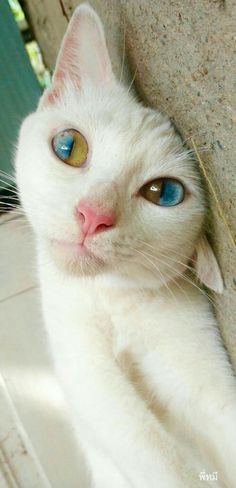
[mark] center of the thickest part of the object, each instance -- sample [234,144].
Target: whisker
[180,274]
[10,197]
[175,260]
[163,262]
[7,184]
[12,210]
[188,280]
[181,289]
[7,175]
[8,189]
[179,262]
[172,281]
[157,269]
[7,206]
[132,81]
[172,251]
[5,203]
[203,292]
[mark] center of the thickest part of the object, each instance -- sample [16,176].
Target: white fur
[134,340]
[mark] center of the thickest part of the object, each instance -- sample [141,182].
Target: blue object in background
[19,87]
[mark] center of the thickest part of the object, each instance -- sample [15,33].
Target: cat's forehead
[122,134]
[104,108]
[114,113]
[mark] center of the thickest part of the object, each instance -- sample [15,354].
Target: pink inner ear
[52,95]
[83,55]
[67,66]
[207,268]
[49,96]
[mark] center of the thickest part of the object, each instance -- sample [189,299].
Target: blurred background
[180,57]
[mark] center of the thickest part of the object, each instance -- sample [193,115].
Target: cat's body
[136,356]
[134,341]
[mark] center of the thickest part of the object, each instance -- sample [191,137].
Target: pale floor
[25,363]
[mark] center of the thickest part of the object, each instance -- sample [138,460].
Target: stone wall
[183,53]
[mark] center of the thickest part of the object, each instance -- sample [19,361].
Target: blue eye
[71,147]
[62,145]
[172,192]
[165,192]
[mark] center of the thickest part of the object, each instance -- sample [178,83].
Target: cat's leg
[215,429]
[98,392]
[195,382]
[104,473]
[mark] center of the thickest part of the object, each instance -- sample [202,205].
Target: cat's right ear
[206,266]
[83,55]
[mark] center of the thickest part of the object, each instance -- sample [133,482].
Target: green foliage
[17,10]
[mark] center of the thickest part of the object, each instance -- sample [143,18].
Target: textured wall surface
[184,55]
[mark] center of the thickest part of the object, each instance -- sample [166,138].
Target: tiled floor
[25,363]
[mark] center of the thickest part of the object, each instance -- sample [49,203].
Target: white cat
[118,209]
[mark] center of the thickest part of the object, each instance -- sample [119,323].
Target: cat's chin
[75,259]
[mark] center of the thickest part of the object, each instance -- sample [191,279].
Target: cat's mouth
[76,257]
[76,248]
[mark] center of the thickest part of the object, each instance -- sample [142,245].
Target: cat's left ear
[83,55]
[206,266]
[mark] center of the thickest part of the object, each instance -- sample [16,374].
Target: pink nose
[92,219]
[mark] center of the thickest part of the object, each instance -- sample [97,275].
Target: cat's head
[106,182]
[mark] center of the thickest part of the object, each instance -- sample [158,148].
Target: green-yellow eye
[165,192]
[71,147]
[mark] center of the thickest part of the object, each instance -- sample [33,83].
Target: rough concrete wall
[184,54]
